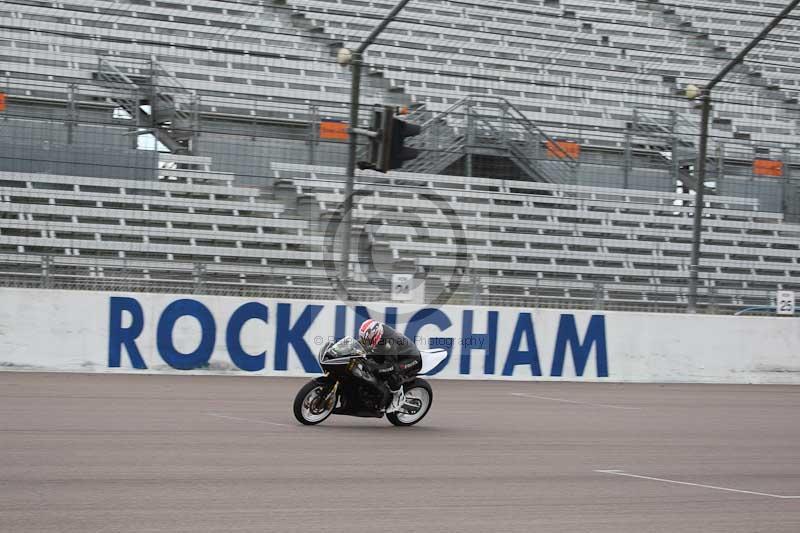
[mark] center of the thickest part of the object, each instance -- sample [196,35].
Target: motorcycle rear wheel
[417,389]
[304,410]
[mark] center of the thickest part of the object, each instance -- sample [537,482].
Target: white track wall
[116,332]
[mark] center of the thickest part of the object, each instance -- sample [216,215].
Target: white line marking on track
[562,400]
[248,420]
[714,487]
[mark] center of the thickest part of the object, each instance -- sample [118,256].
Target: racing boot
[398,399]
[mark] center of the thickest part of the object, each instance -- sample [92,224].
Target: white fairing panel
[430,359]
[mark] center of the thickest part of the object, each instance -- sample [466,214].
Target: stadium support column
[626,164]
[697,228]
[675,146]
[313,135]
[355,93]
[791,188]
[705,96]
[468,168]
[72,114]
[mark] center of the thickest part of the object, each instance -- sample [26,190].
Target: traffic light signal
[378,149]
[387,150]
[399,152]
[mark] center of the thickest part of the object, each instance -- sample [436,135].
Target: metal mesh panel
[177,147]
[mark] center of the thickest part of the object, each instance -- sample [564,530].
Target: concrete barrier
[117,332]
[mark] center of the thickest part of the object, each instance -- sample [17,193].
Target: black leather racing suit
[396,360]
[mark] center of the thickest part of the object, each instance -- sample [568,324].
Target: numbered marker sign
[785,303]
[401,287]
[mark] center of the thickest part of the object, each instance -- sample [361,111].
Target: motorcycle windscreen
[431,359]
[346,347]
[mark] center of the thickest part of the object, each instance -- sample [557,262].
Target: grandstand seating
[188,218]
[523,241]
[570,65]
[582,70]
[515,235]
[250,51]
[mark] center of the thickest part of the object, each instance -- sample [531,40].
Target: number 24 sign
[785,301]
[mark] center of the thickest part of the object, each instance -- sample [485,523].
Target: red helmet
[370,333]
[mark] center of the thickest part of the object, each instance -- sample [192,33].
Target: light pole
[697,226]
[704,95]
[356,62]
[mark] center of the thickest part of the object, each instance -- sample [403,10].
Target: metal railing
[173,111]
[494,126]
[121,275]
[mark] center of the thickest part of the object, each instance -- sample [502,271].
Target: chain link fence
[591,110]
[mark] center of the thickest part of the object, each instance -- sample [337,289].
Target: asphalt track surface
[154,453]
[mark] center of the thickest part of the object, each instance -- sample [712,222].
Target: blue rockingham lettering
[512,343]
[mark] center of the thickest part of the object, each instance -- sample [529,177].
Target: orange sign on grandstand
[2,101]
[767,167]
[333,130]
[561,149]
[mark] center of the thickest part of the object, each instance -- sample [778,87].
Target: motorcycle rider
[395,358]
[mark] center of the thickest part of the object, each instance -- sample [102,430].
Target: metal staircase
[153,98]
[489,126]
[663,131]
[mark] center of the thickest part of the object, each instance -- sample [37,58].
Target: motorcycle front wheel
[309,405]
[418,393]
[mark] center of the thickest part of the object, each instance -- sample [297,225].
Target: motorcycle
[348,387]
